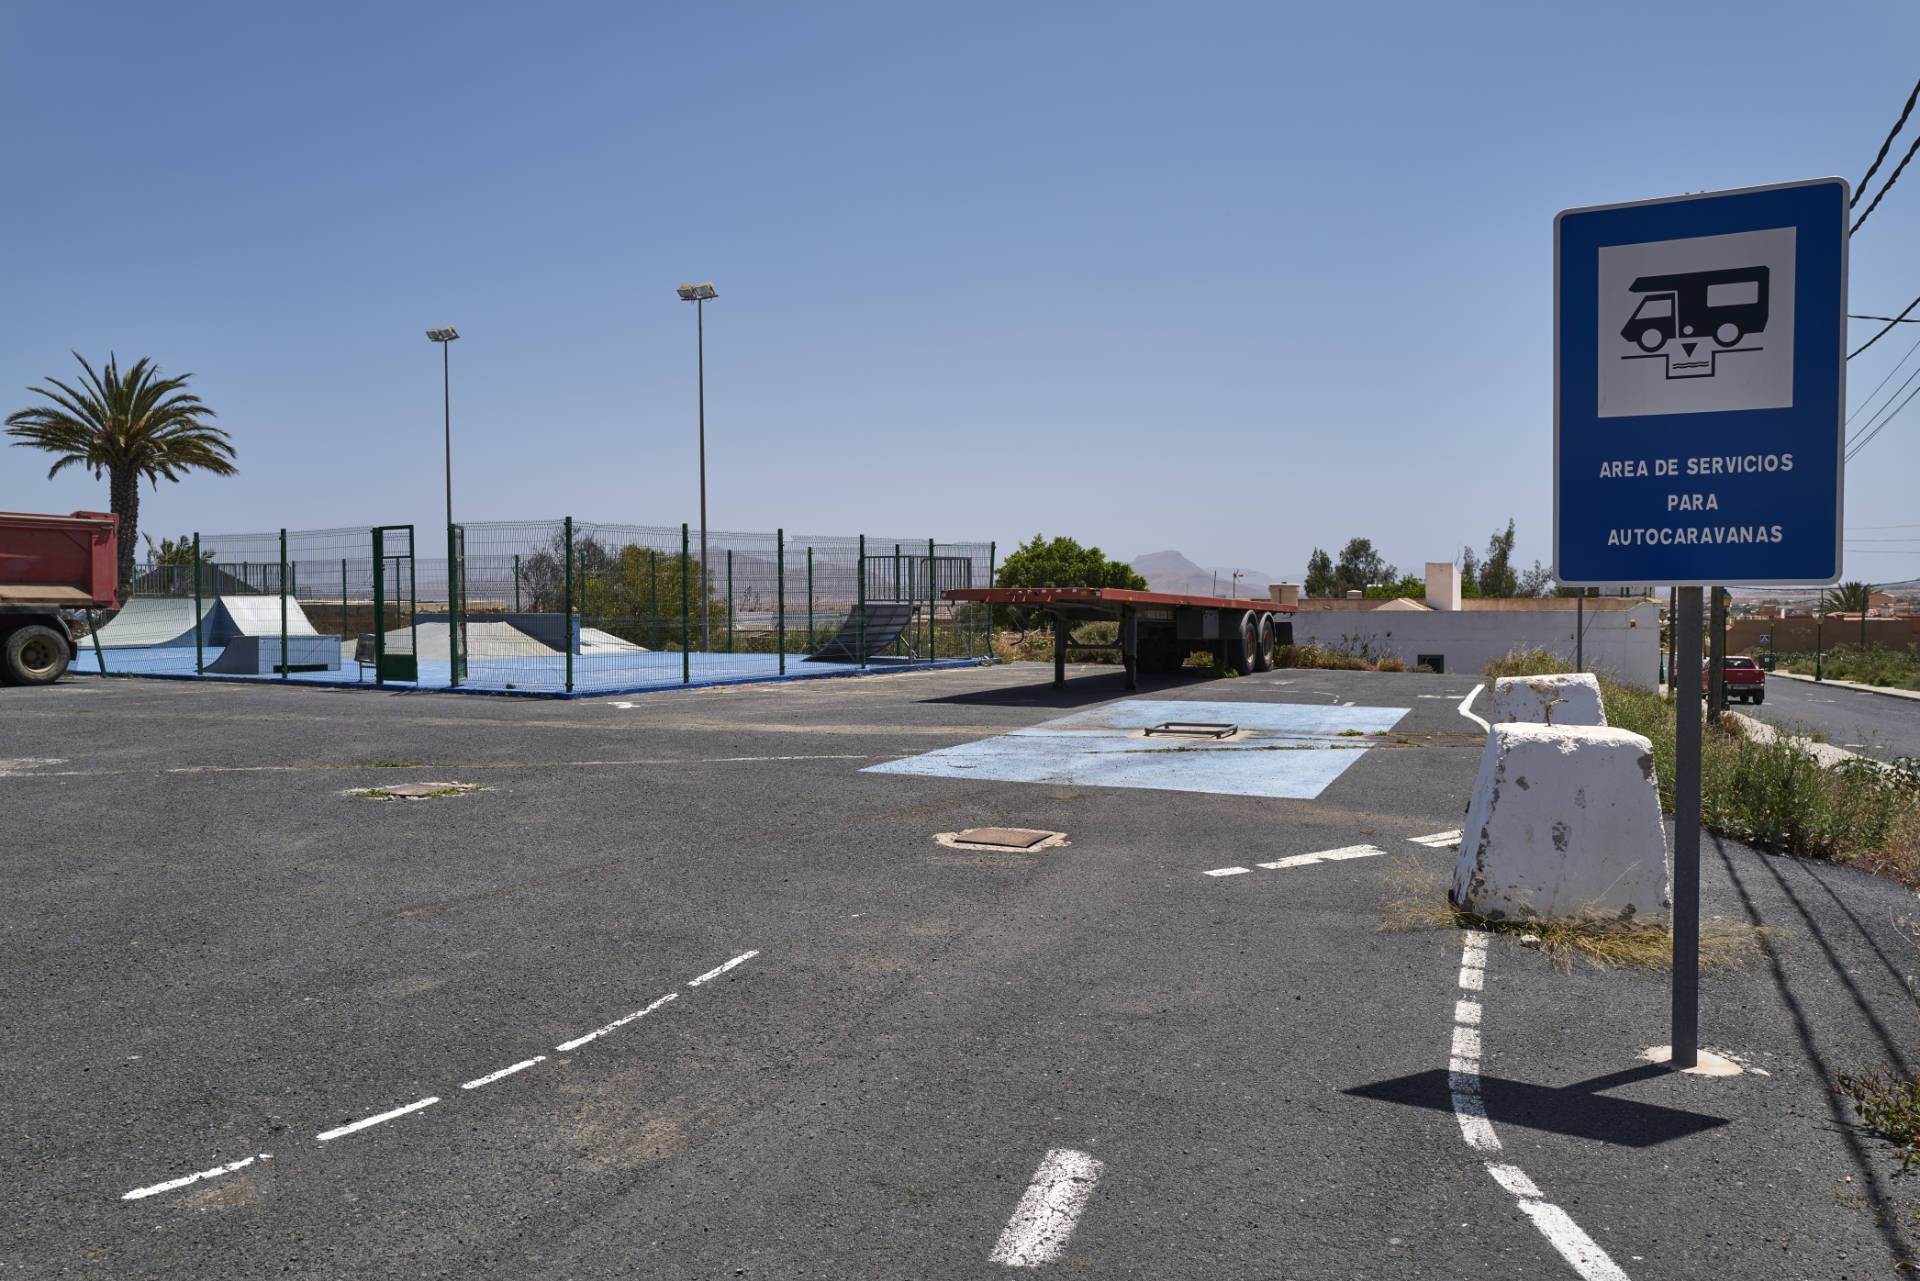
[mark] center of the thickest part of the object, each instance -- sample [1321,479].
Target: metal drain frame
[1048,840]
[1192,729]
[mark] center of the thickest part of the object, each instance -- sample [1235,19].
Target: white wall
[1471,639]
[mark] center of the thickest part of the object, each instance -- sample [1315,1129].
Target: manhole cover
[1002,838]
[1192,729]
[414,791]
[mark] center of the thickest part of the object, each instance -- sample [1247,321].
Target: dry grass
[1419,902]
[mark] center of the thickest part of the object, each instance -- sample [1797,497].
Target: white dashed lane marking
[1437,840]
[1304,860]
[354,1127]
[184,1180]
[1045,1218]
[384,1117]
[1580,1251]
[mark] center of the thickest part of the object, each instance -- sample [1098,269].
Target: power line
[1863,440]
[1854,315]
[1891,135]
[1888,187]
[1890,324]
[1861,408]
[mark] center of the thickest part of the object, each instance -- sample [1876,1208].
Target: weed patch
[1420,901]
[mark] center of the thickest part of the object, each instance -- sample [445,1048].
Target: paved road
[213,957]
[1871,724]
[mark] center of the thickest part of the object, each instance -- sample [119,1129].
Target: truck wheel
[1263,652]
[1727,334]
[1757,699]
[1240,640]
[33,655]
[1651,339]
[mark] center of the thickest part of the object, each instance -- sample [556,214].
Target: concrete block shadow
[1578,1110]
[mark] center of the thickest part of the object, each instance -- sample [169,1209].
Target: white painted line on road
[1467,702]
[184,1180]
[1324,856]
[1580,1251]
[579,1041]
[1227,871]
[491,1077]
[1046,1215]
[376,1120]
[718,970]
[1437,840]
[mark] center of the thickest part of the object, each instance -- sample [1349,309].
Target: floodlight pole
[700,357]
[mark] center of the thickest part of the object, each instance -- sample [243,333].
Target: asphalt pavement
[695,994]
[1870,724]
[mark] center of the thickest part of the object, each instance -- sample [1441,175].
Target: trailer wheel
[33,655]
[1263,653]
[1239,641]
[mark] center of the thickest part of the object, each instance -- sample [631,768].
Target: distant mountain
[1171,571]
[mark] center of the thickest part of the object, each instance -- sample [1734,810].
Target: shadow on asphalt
[1081,691]
[1578,1110]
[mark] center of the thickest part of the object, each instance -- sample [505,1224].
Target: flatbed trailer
[1157,629]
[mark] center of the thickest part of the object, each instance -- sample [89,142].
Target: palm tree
[125,427]
[1847,598]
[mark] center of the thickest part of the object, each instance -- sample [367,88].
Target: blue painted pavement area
[1286,750]
[629,673]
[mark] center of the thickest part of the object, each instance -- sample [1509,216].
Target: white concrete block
[1565,699]
[1565,824]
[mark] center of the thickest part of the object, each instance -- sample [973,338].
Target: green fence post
[729,600]
[780,593]
[343,598]
[380,606]
[199,645]
[992,549]
[686,625]
[284,662]
[933,646]
[809,596]
[653,597]
[516,582]
[93,628]
[860,598]
[566,605]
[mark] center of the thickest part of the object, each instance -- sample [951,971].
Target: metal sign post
[1699,424]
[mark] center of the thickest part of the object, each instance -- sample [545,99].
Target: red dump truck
[1157,629]
[51,567]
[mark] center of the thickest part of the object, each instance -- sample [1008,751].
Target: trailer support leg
[1130,647]
[1061,633]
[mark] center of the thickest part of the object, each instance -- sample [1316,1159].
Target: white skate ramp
[159,621]
[260,616]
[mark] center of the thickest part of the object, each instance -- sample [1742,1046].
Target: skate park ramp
[594,641]
[429,642]
[166,622]
[150,622]
[885,622]
[260,616]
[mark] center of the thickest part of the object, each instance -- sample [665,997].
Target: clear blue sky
[1238,279]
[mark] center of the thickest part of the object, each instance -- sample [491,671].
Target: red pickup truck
[1745,679]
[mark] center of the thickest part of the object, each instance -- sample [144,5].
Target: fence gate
[457,601]
[396,655]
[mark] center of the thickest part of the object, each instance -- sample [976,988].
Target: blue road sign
[1700,387]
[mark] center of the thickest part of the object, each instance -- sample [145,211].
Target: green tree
[172,552]
[1537,581]
[1407,585]
[1319,580]
[1063,562]
[1848,597]
[125,427]
[1496,576]
[1360,565]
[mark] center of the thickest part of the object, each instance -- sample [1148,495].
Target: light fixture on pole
[698,295]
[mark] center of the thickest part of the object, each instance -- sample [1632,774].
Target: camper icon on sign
[1705,314]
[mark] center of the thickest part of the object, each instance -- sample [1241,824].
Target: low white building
[1620,635]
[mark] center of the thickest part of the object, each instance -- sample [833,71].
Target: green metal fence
[557,605]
